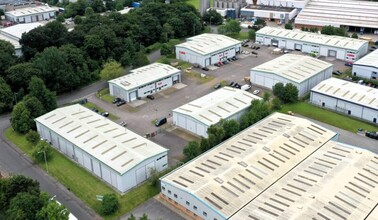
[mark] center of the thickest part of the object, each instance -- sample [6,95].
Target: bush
[109,204]
[41,150]
[289,26]
[154,177]
[32,137]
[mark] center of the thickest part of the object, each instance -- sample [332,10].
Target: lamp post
[44,154]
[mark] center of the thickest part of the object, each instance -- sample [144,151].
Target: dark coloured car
[217,64]
[205,68]
[105,114]
[237,86]
[348,64]
[225,62]
[231,84]
[95,110]
[151,97]
[116,100]
[234,58]
[122,102]
[217,86]
[254,53]
[257,48]
[372,134]
[160,122]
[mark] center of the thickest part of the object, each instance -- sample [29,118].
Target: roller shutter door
[268,82]
[141,175]
[259,80]
[181,121]
[275,42]
[298,47]
[133,96]
[332,53]
[191,125]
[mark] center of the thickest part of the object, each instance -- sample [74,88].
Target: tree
[19,75]
[140,59]
[267,96]
[111,70]
[60,18]
[166,49]
[78,19]
[32,137]
[252,35]
[131,217]
[20,118]
[109,204]
[89,12]
[204,145]
[191,150]
[289,26]
[276,103]
[212,17]
[230,127]
[232,27]
[38,89]
[291,93]
[35,107]
[354,35]
[218,132]
[42,151]
[24,206]
[260,22]
[7,56]
[53,210]
[94,46]
[244,122]
[154,177]
[279,90]
[144,217]
[125,59]
[98,6]
[6,96]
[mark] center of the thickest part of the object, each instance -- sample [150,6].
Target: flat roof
[337,181]
[370,59]
[144,75]
[349,91]
[220,104]
[297,68]
[18,29]
[208,43]
[14,42]
[235,172]
[109,142]
[328,40]
[30,10]
[339,12]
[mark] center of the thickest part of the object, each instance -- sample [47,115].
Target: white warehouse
[30,14]
[226,103]
[367,66]
[144,81]
[342,48]
[282,167]
[109,151]
[347,97]
[207,49]
[304,72]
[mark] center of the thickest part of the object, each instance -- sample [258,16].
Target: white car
[245,87]
[256,92]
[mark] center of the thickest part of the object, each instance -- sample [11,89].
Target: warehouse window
[195,207]
[175,195]
[169,192]
[163,188]
[187,203]
[349,112]
[204,214]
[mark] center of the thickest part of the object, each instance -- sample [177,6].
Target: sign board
[99,197]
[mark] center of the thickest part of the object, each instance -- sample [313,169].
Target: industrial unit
[360,16]
[342,48]
[232,6]
[281,3]
[281,15]
[367,66]
[144,81]
[226,103]
[207,49]
[30,14]
[109,151]
[304,72]
[282,167]
[347,97]
[14,33]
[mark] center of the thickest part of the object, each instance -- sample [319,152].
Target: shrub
[109,204]
[32,137]
[42,149]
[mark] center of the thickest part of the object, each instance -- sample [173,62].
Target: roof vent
[219,180]
[267,149]
[286,135]
[243,164]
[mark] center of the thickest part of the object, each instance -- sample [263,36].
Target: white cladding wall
[272,14]
[345,107]
[268,80]
[367,72]
[339,53]
[205,60]
[30,18]
[143,90]
[124,182]
[190,202]
[197,127]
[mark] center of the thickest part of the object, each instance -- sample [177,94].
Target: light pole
[44,154]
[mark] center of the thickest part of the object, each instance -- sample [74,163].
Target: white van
[246,87]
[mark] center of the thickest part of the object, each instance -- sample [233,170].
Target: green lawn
[83,184]
[329,117]
[90,105]
[197,77]
[105,95]
[196,3]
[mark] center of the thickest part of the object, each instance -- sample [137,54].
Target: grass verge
[197,77]
[105,95]
[91,105]
[82,183]
[326,116]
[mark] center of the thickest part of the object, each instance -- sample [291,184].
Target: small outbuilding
[347,97]
[144,81]
[342,48]
[304,72]
[207,49]
[112,153]
[367,66]
[226,103]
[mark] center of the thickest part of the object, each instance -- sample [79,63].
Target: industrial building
[207,49]
[231,6]
[226,103]
[360,16]
[144,81]
[109,151]
[205,4]
[304,72]
[281,15]
[347,97]
[342,48]
[30,14]
[281,3]
[7,5]
[282,167]
[367,66]
[14,33]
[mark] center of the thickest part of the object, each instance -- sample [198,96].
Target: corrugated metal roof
[314,38]
[349,91]
[17,30]
[297,68]
[220,104]
[208,43]
[112,144]
[369,60]
[144,75]
[30,10]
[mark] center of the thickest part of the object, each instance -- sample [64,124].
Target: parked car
[348,64]
[225,62]
[230,60]
[151,97]
[257,48]
[253,46]
[256,92]
[217,64]
[372,134]
[244,45]
[217,86]
[205,68]
[95,109]
[234,58]
[116,100]
[246,87]
[231,84]
[337,73]
[122,102]
[123,123]
[237,86]
[160,122]
[254,53]
[105,114]
[374,47]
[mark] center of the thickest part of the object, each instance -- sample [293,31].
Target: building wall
[344,107]
[123,182]
[367,72]
[279,15]
[190,202]
[30,18]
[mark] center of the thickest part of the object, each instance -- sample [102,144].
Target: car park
[151,97]
[217,86]
[122,102]
[256,92]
